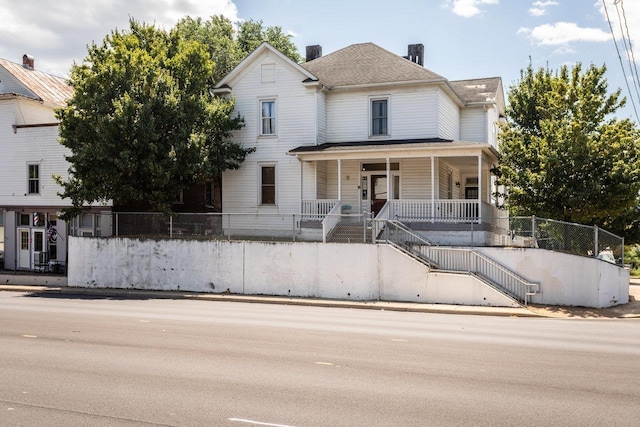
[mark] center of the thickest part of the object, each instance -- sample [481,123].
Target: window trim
[261,166]
[373,99]
[274,117]
[30,180]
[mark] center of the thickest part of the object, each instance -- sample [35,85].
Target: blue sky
[463,39]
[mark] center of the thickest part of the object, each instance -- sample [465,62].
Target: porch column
[340,179]
[433,189]
[301,186]
[388,180]
[479,187]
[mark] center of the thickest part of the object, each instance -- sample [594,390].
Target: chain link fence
[514,231]
[566,237]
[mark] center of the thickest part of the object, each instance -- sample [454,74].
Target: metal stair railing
[458,260]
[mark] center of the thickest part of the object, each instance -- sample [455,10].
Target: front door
[378,193]
[24,248]
[38,246]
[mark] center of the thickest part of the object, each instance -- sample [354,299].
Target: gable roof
[486,90]
[40,86]
[367,64]
[264,47]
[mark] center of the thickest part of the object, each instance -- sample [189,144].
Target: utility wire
[604,3]
[636,80]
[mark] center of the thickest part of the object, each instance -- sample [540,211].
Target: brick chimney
[416,53]
[28,61]
[314,52]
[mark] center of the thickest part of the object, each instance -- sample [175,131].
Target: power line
[604,3]
[628,49]
[636,80]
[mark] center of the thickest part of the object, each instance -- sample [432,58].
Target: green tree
[562,154]
[142,124]
[252,33]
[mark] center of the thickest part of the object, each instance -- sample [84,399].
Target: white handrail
[331,220]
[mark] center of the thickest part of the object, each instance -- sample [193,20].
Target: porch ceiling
[464,152]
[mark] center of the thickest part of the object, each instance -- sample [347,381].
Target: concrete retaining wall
[340,271]
[566,279]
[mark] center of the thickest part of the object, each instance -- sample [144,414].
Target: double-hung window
[33,179]
[268,117]
[267,185]
[379,117]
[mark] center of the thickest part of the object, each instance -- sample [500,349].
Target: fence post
[595,240]
[533,231]
[229,226]
[171,226]
[471,233]
[294,226]
[117,224]
[622,254]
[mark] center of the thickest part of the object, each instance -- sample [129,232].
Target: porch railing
[459,260]
[443,210]
[318,207]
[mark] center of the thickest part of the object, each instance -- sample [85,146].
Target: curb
[255,299]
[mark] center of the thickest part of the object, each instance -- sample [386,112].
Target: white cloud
[60,36]
[545,3]
[534,11]
[469,8]
[539,8]
[562,33]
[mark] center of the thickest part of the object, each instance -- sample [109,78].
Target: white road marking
[324,363]
[257,423]
[30,336]
[398,340]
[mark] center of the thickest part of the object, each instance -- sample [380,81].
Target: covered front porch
[429,186]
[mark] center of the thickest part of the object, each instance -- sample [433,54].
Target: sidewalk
[630,310]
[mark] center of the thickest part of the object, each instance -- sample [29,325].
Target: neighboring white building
[31,155]
[362,130]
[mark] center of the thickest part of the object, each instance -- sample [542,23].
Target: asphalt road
[109,362]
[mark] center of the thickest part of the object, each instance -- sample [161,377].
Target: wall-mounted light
[457,184]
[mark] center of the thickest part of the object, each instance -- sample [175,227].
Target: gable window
[379,117]
[34,179]
[268,185]
[268,117]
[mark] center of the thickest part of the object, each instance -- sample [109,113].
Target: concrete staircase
[349,232]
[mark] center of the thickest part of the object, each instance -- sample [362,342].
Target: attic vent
[268,73]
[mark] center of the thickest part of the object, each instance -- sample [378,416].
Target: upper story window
[33,179]
[379,117]
[268,117]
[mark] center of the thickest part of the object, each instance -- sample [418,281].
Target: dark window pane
[268,195]
[268,175]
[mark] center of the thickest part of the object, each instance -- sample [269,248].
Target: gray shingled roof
[477,90]
[367,64]
[46,87]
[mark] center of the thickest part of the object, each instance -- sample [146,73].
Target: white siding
[350,181]
[473,124]
[295,126]
[449,117]
[25,146]
[413,113]
[416,178]
[492,126]
[321,179]
[321,103]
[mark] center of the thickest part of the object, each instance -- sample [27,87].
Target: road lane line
[257,423]
[30,336]
[324,363]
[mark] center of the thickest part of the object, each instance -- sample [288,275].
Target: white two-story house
[362,131]
[31,235]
